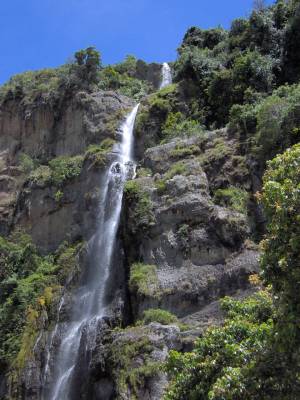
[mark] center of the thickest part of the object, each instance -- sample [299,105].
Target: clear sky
[36,34]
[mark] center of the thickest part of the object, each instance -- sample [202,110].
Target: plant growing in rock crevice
[143,280]
[140,205]
[233,198]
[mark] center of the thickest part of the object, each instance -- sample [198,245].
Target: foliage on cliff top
[217,69]
[122,78]
[83,72]
[50,85]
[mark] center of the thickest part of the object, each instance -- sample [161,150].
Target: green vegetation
[217,152]
[140,204]
[97,153]
[176,125]
[183,151]
[121,78]
[281,259]
[223,358]
[218,69]
[158,315]
[144,172]
[29,285]
[26,163]
[51,85]
[255,355]
[65,168]
[143,279]
[232,197]
[124,352]
[60,170]
[178,168]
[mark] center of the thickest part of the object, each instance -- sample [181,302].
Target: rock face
[42,134]
[149,72]
[198,248]
[191,249]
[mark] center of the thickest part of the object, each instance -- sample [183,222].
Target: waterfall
[166,75]
[89,304]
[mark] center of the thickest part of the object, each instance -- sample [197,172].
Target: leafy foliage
[143,279]
[232,197]
[140,204]
[280,262]
[29,284]
[60,169]
[158,315]
[223,358]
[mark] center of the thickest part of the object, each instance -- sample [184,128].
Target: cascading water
[166,75]
[89,305]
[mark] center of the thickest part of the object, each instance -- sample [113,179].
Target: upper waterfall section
[166,75]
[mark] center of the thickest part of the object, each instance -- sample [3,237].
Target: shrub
[278,120]
[158,315]
[177,125]
[140,203]
[29,283]
[65,168]
[182,151]
[88,62]
[280,261]
[143,279]
[232,197]
[97,153]
[131,375]
[26,163]
[219,366]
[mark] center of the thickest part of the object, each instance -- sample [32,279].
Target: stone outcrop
[200,249]
[43,135]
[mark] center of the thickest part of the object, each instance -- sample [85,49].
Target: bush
[203,38]
[161,316]
[26,163]
[87,65]
[278,121]
[140,204]
[97,153]
[177,125]
[65,168]
[219,366]
[232,197]
[143,279]
[281,260]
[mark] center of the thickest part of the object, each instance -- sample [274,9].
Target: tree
[87,65]
[259,5]
[281,258]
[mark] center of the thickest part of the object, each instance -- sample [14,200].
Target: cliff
[181,249]
[190,222]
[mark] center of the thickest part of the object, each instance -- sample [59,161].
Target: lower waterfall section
[90,300]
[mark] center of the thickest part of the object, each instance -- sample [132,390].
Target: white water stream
[166,75]
[89,305]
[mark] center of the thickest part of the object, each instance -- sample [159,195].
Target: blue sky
[36,34]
